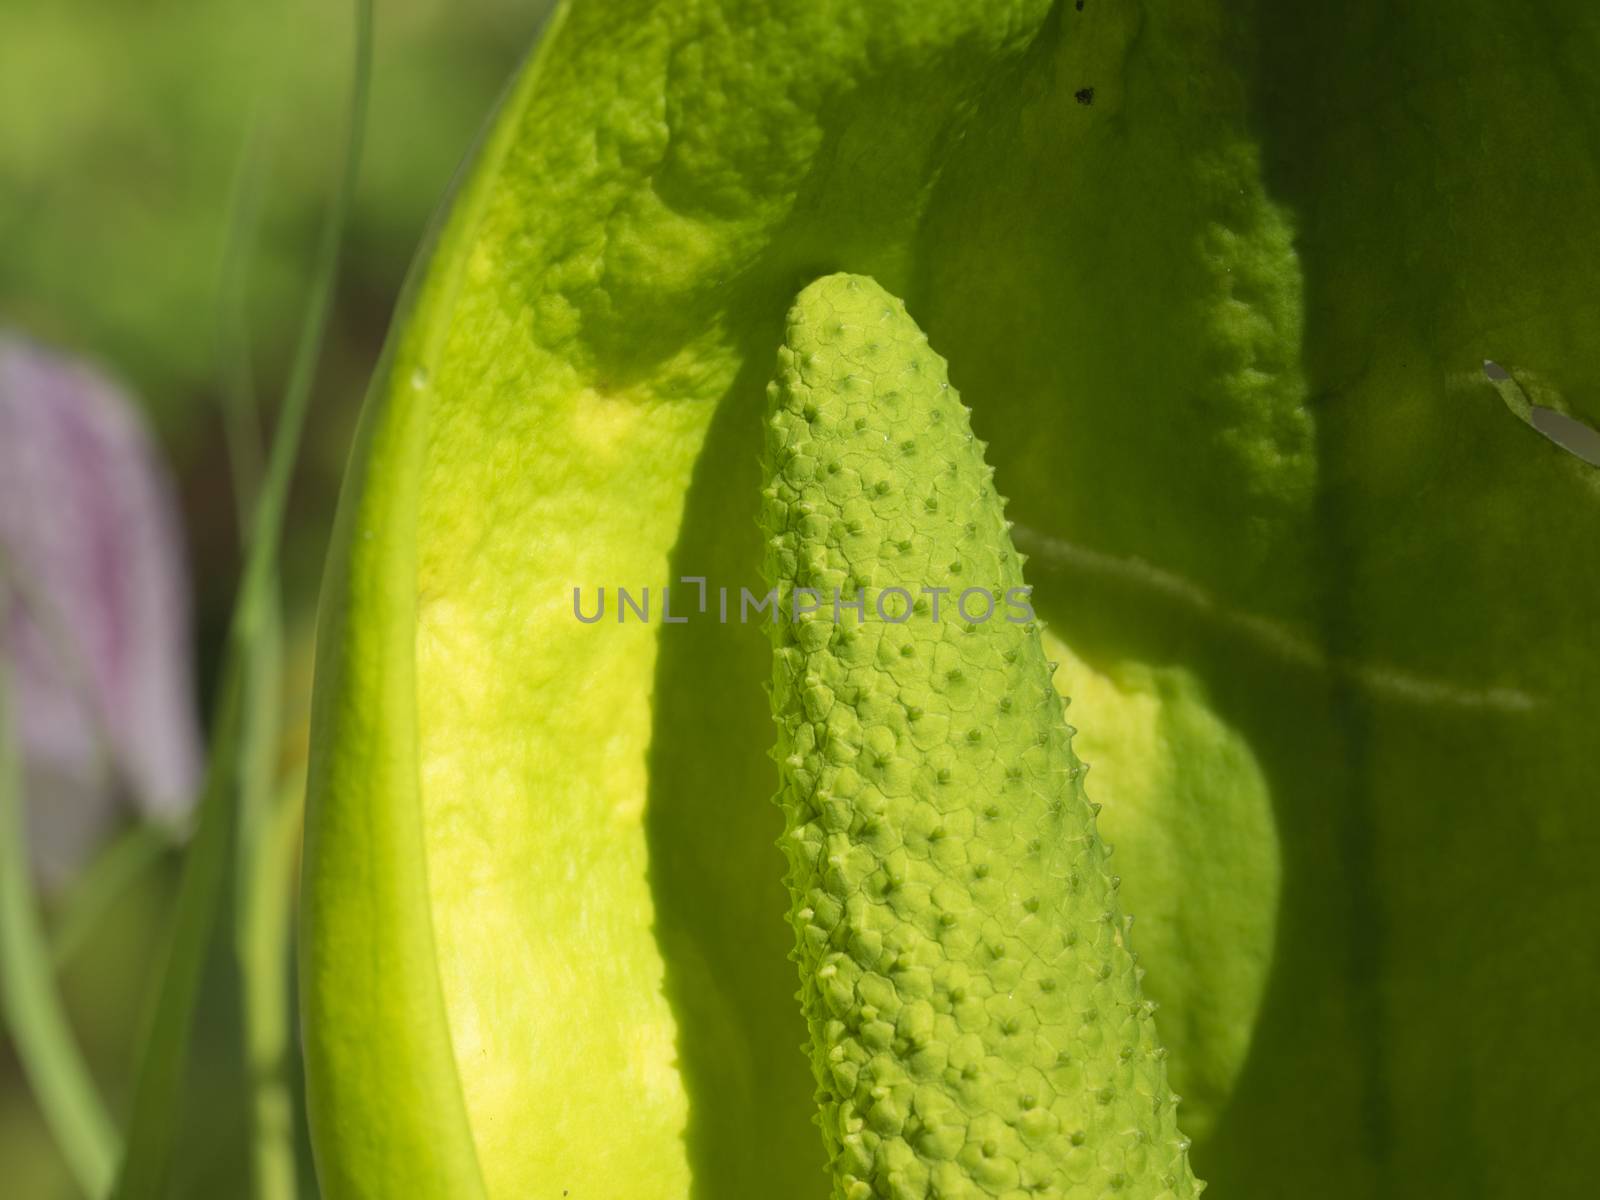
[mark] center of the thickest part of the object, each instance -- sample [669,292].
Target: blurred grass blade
[157,1091]
[265,842]
[261,946]
[241,417]
[28,996]
[262,895]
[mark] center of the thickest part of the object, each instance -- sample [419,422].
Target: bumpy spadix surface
[976,1022]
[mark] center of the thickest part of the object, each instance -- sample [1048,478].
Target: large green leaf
[1218,285]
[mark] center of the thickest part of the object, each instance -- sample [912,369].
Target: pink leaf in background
[97,627]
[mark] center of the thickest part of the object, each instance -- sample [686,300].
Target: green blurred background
[125,133]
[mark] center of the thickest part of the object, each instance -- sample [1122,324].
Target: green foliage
[244,691]
[120,126]
[1217,282]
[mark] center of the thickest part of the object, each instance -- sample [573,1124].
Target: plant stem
[29,998]
[261,946]
[261,896]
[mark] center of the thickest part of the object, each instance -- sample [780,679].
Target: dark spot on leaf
[1084,95]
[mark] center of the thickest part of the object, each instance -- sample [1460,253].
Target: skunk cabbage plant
[1218,283]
